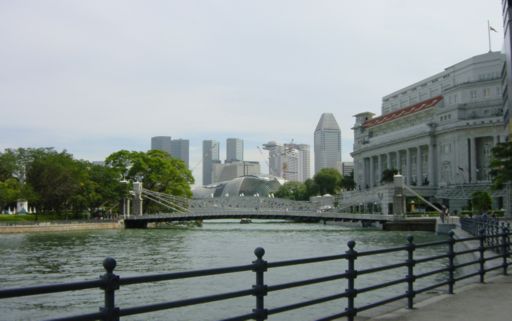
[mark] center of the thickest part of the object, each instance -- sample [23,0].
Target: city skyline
[93,81]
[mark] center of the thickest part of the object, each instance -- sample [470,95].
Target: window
[472,94]
[486,92]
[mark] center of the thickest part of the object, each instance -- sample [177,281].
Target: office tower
[275,162]
[180,150]
[210,156]
[162,143]
[296,162]
[234,149]
[347,168]
[327,143]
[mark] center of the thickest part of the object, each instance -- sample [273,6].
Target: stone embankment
[58,227]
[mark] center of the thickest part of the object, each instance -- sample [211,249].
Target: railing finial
[109,264]
[259,252]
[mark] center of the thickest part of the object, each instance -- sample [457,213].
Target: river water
[35,259]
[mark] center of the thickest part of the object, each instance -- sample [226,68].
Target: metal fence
[109,282]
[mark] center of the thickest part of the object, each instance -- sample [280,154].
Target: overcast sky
[93,77]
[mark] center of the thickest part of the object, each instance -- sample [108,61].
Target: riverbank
[58,227]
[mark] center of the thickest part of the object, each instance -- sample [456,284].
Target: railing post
[351,276]
[481,249]
[110,285]
[504,247]
[410,271]
[260,289]
[451,259]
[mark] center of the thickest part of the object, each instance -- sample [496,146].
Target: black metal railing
[491,227]
[448,276]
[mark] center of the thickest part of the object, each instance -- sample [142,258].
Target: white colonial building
[438,133]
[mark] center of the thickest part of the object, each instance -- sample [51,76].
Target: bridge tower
[137,198]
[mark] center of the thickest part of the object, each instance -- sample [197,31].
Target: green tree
[312,188]
[57,179]
[293,190]
[328,180]
[10,191]
[388,174]
[481,201]
[156,170]
[501,164]
[347,182]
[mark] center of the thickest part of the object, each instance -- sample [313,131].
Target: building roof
[327,121]
[429,103]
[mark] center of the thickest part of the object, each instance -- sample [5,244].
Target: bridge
[255,207]
[226,213]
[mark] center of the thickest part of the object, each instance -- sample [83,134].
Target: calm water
[34,259]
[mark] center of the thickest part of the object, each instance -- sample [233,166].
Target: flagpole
[489,34]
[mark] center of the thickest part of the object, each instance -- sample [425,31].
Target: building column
[371,172]
[379,168]
[388,164]
[431,152]
[472,167]
[418,166]
[408,166]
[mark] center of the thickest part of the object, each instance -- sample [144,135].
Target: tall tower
[210,156]
[275,158]
[234,150]
[327,143]
[180,149]
[296,162]
[162,143]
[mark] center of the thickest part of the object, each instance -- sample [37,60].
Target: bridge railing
[449,275]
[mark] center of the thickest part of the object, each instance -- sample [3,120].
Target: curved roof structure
[327,121]
[246,185]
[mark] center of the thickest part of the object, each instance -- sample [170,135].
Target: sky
[94,77]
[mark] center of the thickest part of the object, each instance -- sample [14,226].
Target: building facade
[296,162]
[438,133]
[210,156]
[234,169]
[162,143]
[180,150]
[275,158]
[327,143]
[234,149]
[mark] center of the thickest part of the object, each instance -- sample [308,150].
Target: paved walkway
[491,301]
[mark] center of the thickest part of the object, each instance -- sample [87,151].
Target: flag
[492,29]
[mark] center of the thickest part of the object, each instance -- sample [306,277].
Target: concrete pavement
[491,301]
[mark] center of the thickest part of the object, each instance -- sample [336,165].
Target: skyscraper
[162,143]
[180,150]
[327,143]
[210,156]
[234,149]
[275,161]
[296,162]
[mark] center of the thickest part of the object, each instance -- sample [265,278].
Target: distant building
[180,150]
[246,187]
[234,149]
[210,156]
[275,158]
[347,168]
[438,133]
[234,169]
[296,162]
[327,143]
[507,91]
[162,143]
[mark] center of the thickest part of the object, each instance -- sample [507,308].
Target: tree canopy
[501,164]
[56,182]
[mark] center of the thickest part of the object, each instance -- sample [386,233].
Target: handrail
[109,282]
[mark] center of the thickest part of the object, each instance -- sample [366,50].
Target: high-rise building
[347,168]
[180,150]
[162,143]
[296,162]
[234,150]
[210,156]
[327,143]
[275,159]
